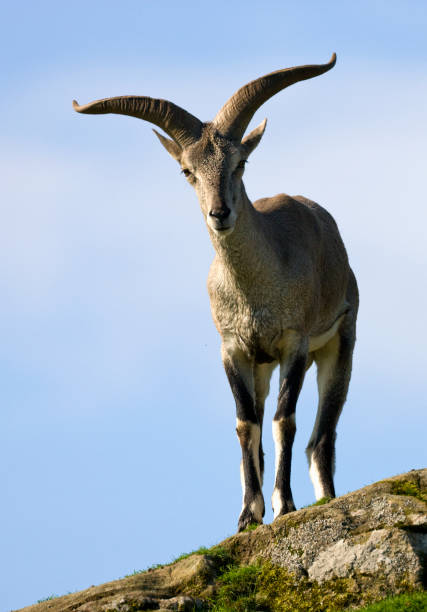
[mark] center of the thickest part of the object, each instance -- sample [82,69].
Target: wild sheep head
[212,155]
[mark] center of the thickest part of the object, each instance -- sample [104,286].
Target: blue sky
[117,425]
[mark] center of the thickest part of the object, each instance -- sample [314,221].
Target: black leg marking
[261,461]
[290,389]
[245,409]
[249,433]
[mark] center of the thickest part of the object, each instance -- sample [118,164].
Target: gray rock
[392,552]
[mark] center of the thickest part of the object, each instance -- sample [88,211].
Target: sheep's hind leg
[334,362]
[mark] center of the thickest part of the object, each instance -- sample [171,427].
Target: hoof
[247,518]
[287,507]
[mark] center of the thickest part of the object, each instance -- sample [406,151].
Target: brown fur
[294,274]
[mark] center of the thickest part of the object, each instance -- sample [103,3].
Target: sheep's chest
[254,319]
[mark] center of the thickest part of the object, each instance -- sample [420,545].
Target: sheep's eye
[186,172]
[242,163]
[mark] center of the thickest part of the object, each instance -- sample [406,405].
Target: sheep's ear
[171,146]
[251,141]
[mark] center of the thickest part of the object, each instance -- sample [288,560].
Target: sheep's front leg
[239,370]
[292,370]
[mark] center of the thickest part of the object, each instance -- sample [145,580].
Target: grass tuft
[319,502]
[47,598]
[412,602]
[200,551]
[237,589]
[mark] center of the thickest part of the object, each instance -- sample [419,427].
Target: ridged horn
[180,125]
[234,117]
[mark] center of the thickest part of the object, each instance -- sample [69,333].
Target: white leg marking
[278,444]
[276,502]
[257,507]
[315,479]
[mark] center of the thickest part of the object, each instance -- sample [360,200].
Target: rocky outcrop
[350,551]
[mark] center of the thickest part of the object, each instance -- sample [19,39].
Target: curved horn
[234,117]
[180,125]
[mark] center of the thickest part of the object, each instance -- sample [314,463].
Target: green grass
[412,602]
[322,501]
[237,590]
[54,597]
[200,551]
[405,487]
[268,588]
[219,555]
[150,567]
[319,502]
[47,598]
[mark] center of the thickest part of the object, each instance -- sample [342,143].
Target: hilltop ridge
[344,553]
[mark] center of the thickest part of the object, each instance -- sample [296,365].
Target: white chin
[224,232]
